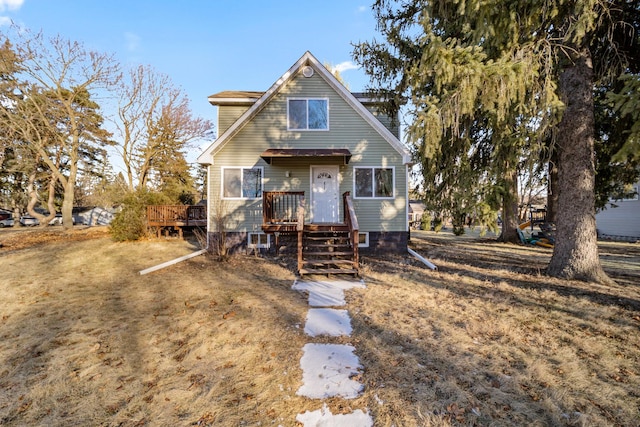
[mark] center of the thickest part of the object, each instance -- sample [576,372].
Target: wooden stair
[327,249]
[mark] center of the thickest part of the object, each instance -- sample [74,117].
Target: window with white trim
[363,239]
[373,182]
[307,114]
[242,183]
[258,240]
[634,196]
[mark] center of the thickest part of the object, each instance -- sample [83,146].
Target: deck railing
[537,216]
[281,207]
[165,215]
[351,220]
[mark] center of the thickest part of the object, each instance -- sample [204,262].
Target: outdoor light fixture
[287,174]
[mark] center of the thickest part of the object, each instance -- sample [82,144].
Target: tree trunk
[34,199]
[575,252]
[67,205]
[510,220]
[552,187]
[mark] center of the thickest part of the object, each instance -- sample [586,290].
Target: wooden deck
[166,217]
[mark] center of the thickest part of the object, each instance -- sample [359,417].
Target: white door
[325,202]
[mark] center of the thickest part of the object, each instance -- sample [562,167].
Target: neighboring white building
[94,216]
[621,222]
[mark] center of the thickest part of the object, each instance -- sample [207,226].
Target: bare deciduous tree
[154,122]
[55,115]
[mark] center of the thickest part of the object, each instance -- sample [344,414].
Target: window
[258,240]
[363,239]
[373,183]
[633,197]
[241,183]
[308,114]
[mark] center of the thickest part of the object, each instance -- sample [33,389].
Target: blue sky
[208,46]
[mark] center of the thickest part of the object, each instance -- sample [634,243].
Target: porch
[324,248]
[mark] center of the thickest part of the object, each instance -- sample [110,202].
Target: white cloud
[10,4]
[133,41]
[345,66]
[362,9]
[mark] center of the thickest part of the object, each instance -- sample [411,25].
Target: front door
[324,194]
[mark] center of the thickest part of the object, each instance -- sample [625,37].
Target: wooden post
[300,230]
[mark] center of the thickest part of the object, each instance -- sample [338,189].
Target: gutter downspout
[422,259]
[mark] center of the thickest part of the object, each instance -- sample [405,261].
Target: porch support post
[300,230]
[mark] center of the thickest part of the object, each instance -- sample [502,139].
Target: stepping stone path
[328,369]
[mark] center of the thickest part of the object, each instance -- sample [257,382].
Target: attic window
[307,114]
[307,71]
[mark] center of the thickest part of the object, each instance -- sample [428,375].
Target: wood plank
[327,261]
[325,227]
[328,271]
[328,253]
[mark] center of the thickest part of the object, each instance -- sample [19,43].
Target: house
[621,219]
[307,158]
[416,211]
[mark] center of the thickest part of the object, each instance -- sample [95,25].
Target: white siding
[623,220]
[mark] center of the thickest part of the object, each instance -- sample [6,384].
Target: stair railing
[300,230]
[351,220]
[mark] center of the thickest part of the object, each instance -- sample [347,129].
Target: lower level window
[363,240]
[258,240]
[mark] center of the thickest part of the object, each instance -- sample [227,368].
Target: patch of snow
[327,298]
[380,401]
[327,321]
[327,370]
[326,293]
[324,418]
[310,284]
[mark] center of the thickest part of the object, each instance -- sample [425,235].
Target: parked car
[28,221]
[58,220]
[6,222]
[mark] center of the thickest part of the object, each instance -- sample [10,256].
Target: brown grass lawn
[485,340]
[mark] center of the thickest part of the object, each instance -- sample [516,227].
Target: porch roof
[283,153]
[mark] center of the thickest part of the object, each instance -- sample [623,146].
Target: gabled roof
[256,106]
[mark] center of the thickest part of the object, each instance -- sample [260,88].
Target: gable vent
[307,71]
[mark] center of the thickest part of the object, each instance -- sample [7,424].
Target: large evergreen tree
[514,63]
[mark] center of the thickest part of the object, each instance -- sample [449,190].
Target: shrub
[131,222]
[458,224]
[438,223]
[425,223]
